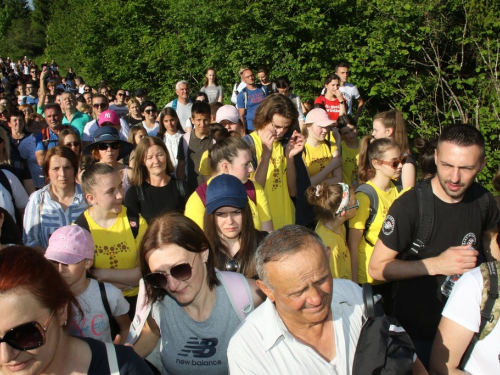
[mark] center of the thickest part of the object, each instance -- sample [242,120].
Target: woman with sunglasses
[178,266]
[112,227]
[149,112]
[36,306]
[320,155]
[108,148]
[35,124]
[154,190]
[229,226]
[334,204]
[380,161]
[57,204]
[391,124]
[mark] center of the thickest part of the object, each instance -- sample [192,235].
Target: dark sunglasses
[149,111]
[232,265]
[27,336]
[120,94]
[181,272]
[87,90]
[74,144]
[114,145]
[102,105]
[394,164]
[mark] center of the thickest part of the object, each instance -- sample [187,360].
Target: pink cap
[109,116]
[70,244]
[319,117]
[227,112]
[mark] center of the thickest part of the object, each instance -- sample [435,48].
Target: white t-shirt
[263,344]
[464,308]
[18,191]
[95,322]
[154,131]
[91,127]
[349,91]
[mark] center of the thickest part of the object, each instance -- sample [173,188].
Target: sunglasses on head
[101,105]
[395,163]
[105,145]
[181,272]
[27,336]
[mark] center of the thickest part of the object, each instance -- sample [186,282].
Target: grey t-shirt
[213,92]
[95,322]
[190,347]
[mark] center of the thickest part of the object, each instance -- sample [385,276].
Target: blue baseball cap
[225,190]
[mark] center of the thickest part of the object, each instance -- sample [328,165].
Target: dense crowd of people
[164,227]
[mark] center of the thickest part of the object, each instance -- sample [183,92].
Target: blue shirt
[44,145]
[254,98]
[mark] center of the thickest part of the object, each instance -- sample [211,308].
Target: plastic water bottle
[448,284]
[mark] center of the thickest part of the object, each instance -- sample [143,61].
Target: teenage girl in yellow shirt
[380,161]
[334,204]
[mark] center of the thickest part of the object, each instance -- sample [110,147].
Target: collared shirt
[263,344]
[78,121]
[43,215]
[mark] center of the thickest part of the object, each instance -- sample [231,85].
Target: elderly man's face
[301,286]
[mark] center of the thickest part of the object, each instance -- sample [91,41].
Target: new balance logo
[200,348]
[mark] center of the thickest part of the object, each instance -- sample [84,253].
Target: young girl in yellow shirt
[334,204]
[380,161]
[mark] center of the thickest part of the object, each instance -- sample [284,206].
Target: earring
[65,322]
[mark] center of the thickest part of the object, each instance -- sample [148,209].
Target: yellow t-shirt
[195,209]
[115,247]
[350,158]
[317,158]
[340,258]
[365,250]
[280,203]
[204,168]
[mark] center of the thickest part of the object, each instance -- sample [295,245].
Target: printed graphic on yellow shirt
[112,252]
[276,162]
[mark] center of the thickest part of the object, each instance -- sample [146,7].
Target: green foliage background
[436,61]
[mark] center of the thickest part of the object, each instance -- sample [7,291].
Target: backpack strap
[238,291]
[133,220]
[425,199]
[6,184]
[372,194]
[143,308]
[250,189]
[140,193]
[82,222]
[249,141]
[105,302]
[112,359]
[489,318]
[174,104]
[202,192]
[181,187]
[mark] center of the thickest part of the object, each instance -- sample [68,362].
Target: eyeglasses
[120,94]
[100,105]
[250,76]
[27,336]
[224,215]
[181,272]
[74,144]
[232,265]
[149,111]
[114,145]
[89,90]
[350,208]
[393,164]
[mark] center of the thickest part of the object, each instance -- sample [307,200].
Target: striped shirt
[43,215]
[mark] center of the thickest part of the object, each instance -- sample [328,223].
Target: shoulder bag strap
[372,194]
[238,291]
[425,198]
[133,220]
[104,298]
[81,221]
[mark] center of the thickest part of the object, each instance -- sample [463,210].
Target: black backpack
[383,346]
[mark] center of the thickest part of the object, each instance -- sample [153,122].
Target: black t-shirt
[132,121]
[129,361]
[419,302]
[156,199]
